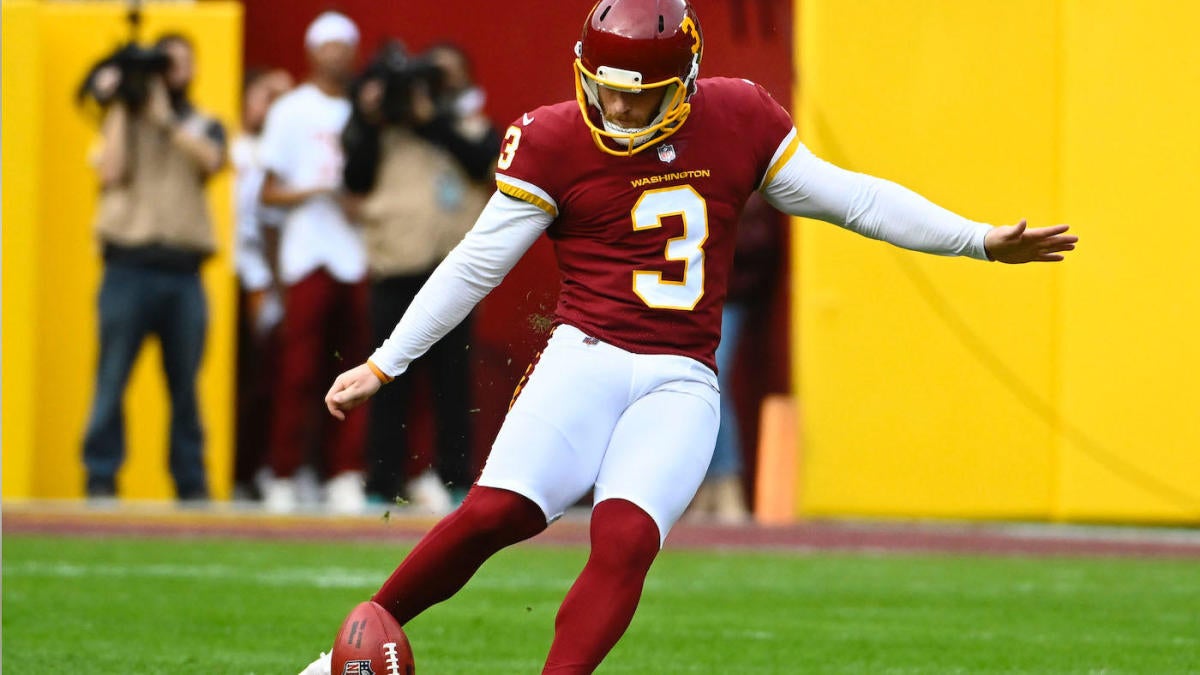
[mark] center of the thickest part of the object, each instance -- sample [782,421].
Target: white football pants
[639,427]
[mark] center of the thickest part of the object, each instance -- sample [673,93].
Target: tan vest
[422,205]
[161,202]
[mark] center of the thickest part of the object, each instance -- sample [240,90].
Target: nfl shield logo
[358,668]
[666,152]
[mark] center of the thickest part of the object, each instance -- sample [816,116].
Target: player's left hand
[351,389]
[1018,244]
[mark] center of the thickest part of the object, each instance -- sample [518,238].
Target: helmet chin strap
[634,136]
[624,141]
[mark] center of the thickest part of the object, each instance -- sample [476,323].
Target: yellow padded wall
[21,122]
[925,383]
[1131,313]
[65,272]
[947,388]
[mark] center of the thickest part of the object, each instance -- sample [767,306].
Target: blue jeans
[727,455]
[135,302]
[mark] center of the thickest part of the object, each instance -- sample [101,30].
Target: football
[371,642]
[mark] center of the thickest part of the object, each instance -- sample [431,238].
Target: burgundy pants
[256,357]
[325,331]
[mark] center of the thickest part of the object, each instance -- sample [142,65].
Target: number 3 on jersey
[648,212]
[508,151]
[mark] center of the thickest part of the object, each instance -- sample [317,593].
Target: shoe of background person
[309,492]
[279,495]
[429,495]
[194,496]
[344,493]
[321,666]
[253,489]
[101,488]
[246,492]
[729,501]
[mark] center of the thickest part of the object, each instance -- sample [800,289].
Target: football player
[637,187]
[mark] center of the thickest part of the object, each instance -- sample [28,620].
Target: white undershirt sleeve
[806,186]
[504,231]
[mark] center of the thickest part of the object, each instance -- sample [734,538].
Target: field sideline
[152,589]
[233,520]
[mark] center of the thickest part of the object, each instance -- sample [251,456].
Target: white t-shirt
[250,214]
[301,145]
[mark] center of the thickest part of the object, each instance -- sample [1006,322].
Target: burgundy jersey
[645,242]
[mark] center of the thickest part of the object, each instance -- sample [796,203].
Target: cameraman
[157,152]
[418,166]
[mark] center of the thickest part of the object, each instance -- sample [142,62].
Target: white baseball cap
[330,27]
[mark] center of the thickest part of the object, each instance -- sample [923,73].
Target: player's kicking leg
[449,555]
[488,520]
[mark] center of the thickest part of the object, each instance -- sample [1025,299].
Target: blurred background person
[157,151]
[260,307]
[419,160]
[321,263]
[460,125]
[758,256]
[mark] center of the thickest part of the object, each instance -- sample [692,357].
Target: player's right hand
[351,389]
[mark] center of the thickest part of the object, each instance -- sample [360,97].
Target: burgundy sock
[449,554]
[600,604]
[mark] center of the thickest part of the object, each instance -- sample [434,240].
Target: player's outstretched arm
[1019,244]
[803,185]
[351,389]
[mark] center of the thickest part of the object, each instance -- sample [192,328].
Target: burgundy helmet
[636,45]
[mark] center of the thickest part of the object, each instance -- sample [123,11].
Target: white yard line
[321,577]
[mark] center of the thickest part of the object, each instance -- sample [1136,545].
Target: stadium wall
[949,388]
[51,267]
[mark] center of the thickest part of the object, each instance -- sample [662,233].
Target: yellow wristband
[383,377]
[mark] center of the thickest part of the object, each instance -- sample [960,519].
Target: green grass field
[235,607]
